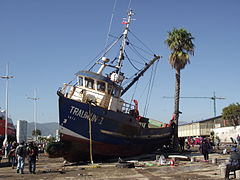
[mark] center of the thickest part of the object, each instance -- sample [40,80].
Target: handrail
[126,107]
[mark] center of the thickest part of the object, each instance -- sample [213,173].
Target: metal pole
[35,111]
[214,104]
[7,77]
[6,115]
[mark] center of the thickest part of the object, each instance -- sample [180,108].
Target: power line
[214,98]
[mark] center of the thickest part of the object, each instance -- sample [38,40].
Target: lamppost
[35,111]
[6,77]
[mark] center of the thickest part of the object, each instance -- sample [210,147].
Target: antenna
[214,98]
[110,24]
[35,110]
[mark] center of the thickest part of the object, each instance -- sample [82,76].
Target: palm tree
[37,132]
[180,43]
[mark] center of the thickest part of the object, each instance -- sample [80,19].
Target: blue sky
[45,42]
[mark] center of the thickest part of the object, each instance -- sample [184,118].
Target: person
[238,140]
[234,162]
[12,154]
[205,148]
[217,142]
[233,141]
[32,152]
[1,153]
[181,143]
[21,154]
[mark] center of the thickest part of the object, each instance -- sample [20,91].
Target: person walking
[32,152]
[21,154]
[205,148]
[12,154]
[234,162]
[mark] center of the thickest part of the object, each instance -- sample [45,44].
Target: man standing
[32,152]
[205,148]
[234,162]
[181,143]
[21,154]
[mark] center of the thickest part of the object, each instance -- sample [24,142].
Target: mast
[124,41]
[140,73]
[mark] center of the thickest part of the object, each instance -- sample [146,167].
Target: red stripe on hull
[78,149]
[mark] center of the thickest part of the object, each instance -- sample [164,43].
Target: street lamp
[6,77]
[35,111]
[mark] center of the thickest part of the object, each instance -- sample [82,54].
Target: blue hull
[114,134]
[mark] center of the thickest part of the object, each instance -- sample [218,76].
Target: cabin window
[113,91]
[101,86]
[89,83]
[110,89]
[80,81]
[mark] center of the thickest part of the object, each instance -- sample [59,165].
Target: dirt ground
[54,169]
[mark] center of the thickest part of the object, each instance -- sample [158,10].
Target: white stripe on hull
[68,132]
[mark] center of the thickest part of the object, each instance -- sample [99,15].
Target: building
[200,128]
[22,131]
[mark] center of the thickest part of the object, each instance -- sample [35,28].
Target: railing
[67,88]
[127,107]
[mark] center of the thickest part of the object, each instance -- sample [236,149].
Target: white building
[22,131]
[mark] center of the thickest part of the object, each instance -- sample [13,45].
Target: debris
[225,151]
[162,160]
[214,161]
[125,165]
[172,162]
[193,159]
[180,157]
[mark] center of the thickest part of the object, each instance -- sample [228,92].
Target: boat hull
[113,134]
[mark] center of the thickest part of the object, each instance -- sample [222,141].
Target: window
[80,81]
[101,86]
[89,83]
[113,91]
[110,89]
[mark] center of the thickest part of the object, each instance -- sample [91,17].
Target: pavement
[146,168]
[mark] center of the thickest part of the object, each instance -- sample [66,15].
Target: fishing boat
[95,123]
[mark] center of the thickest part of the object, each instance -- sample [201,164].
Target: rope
[141,42]
[134,91]
[151,83]
[148,95]
[90,133]
[131,62]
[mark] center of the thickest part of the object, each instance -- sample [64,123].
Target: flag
[124,22]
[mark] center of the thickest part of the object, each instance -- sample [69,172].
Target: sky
[46,42]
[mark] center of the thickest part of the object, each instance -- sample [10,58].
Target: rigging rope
[131,61]
[134,92]
[141,42]
[151,83]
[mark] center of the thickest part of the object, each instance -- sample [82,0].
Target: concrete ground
[145,169]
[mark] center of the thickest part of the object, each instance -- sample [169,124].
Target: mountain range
[45,128]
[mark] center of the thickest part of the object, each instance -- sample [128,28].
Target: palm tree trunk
[176,109]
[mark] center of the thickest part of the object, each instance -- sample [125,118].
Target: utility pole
[214,98]
[6,77]
[35,111]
